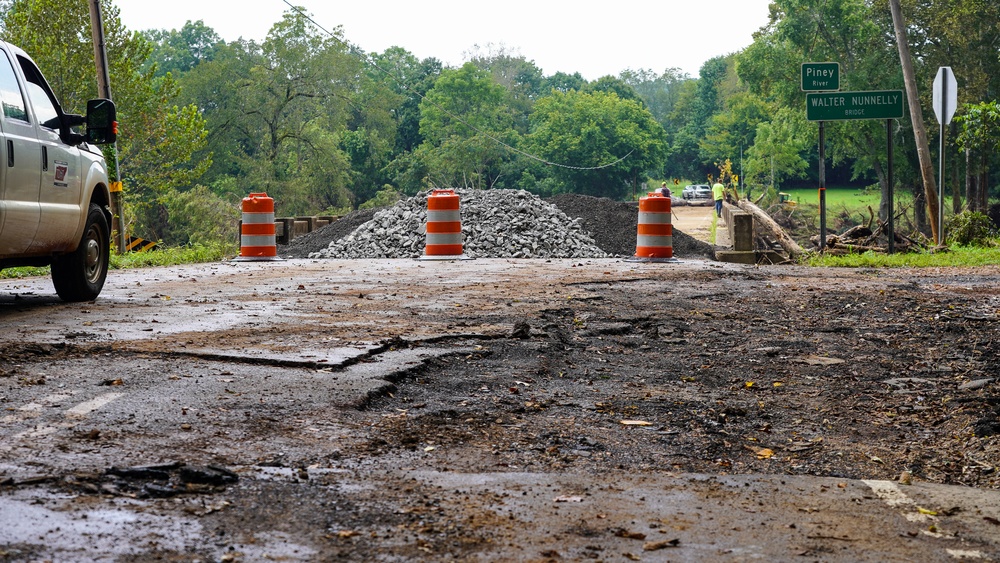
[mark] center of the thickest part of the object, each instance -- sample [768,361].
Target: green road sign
[880,104]
[820,77]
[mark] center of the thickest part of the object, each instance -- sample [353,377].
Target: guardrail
[287,229]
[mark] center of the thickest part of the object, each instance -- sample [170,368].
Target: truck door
[21,164]
[61,192]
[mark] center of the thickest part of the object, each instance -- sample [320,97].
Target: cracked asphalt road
[502,410]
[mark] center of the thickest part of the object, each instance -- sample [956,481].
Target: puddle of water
[89,535]
[50,525]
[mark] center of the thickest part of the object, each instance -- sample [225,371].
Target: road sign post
[838,106]
[945,101]
[821,77]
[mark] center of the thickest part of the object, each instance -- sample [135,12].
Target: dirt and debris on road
[536,410]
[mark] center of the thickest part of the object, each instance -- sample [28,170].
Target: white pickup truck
[54,190]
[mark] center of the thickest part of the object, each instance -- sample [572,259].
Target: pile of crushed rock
[496,224]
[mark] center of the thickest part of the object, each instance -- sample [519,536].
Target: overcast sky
[592,38]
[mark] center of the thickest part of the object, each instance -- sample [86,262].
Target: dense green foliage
[971,229]
[319,125]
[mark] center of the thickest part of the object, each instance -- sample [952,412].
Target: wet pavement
[260,369]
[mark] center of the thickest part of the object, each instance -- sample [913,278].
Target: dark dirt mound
[612,224]
[300,247]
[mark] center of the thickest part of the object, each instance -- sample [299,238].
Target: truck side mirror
[102,124]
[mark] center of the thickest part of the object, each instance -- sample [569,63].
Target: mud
[502,410]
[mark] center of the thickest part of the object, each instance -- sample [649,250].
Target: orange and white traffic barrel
[654,237]
[444,227]
[257,233]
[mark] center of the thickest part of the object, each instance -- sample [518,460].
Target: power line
[358,52]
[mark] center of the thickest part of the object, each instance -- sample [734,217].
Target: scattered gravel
[496,224]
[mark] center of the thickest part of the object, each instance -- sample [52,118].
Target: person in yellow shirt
[718,192]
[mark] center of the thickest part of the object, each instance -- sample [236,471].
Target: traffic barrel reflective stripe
[654,237]
[257,233]
[444,224]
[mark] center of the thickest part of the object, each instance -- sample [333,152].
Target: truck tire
[80,275]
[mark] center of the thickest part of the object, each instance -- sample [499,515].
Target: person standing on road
[718,192]
[664,190]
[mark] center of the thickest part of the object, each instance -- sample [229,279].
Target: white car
[697,191]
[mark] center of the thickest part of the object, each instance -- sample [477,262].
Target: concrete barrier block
[741,231]
[309,221]
[736,256]
[286,229]
[301,227]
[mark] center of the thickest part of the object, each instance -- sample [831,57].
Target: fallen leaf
[926,511]
[658,545]
[344,534]
[632,557]
[636,423]
[765,453]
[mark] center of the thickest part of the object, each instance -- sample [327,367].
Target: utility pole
[104,91]
[917,117]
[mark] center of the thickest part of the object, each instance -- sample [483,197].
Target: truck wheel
[80,275]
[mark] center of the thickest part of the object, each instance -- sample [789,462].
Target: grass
[956,256]
[192,254]
[837,197]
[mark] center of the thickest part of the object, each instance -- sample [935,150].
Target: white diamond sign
[945,95]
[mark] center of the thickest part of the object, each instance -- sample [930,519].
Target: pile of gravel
[610,224]
[496,224]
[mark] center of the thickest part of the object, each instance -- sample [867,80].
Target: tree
[290,116]
[962,34]
[659,92]
[917,118]
[980,134]
[779,144]
[734,129]
[698,100]
[410,79]
[614,85]
[520,77]
[467,125]
[563,82]
[597,143]
[178,51]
